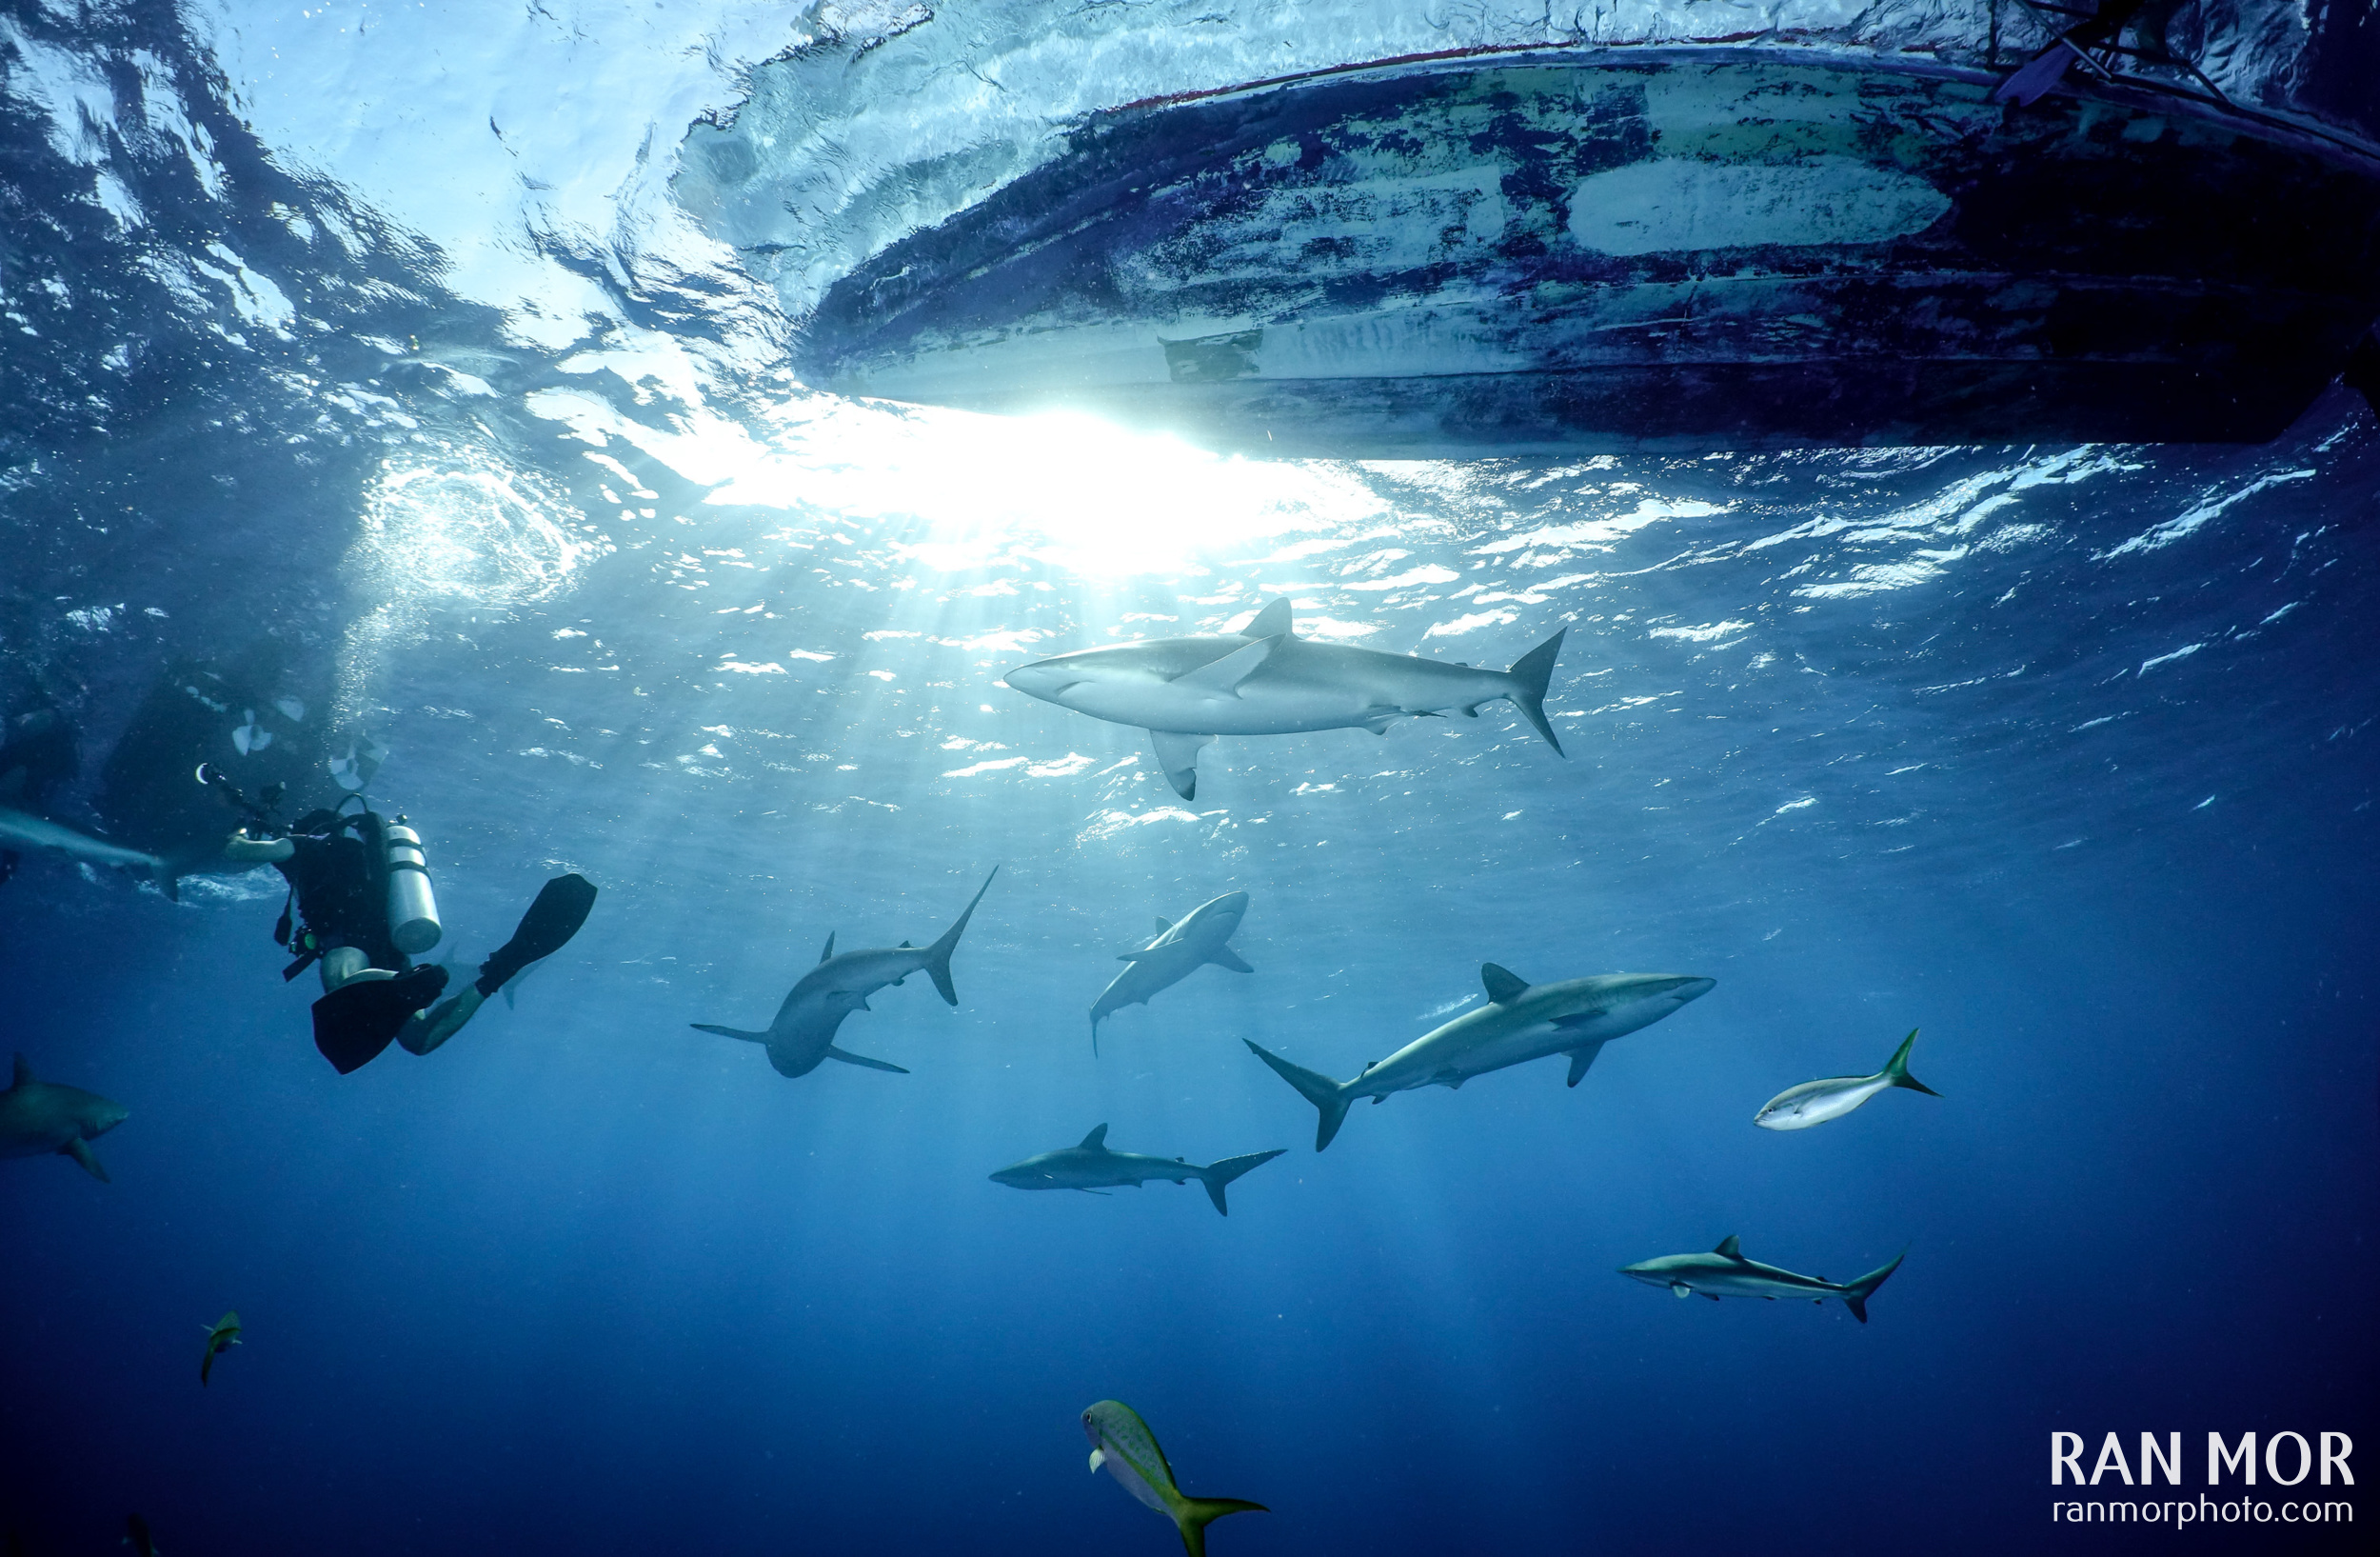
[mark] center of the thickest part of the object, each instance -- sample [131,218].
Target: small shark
[1265,680]
[1815,1102]
[19,830]
[1122,1443]
[1091,1166]
[38,1118]
[1179,950]
[1520,1023]
[1724,1272]
[221,1337]
[804,1031]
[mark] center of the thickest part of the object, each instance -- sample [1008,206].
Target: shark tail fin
[1855,1296]
[1220,1174]
[938,956]
[1897,1067]
[1324,1093]
[1195,1514]
[1529,674]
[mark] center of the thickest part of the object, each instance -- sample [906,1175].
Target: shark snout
[1683,989]
[1045,679]
[108,1118]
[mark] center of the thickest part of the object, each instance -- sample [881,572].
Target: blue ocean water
[2062,756]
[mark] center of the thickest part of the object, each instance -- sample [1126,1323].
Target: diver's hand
[257,851]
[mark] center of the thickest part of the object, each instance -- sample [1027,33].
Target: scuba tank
[412,907]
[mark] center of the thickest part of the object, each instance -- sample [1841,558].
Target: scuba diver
[363,909]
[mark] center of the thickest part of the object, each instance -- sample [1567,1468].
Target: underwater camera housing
[412,906]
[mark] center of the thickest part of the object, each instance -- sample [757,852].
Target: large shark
[1520,1023]
[1724,1272]
[19,830]
[804,1031]
[1265,680]
[1179,950]
[1815,1102]
[1122,1443]
[1091,1166]
[37,1118]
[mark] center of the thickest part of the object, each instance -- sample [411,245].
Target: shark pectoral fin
[80,1150]
[731,1032]
[1221,678]
[1729,1248]
[1224,956]
[1581,1058]
[1178,754]
[849,1058]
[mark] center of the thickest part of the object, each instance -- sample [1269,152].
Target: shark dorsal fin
[1503,984]
[23,1072]
[1095,1141]
[1728,1248]
[1272,622]
[830,949]
[1220,676]
[1163,923]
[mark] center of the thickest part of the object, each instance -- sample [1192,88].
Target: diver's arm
[257,851]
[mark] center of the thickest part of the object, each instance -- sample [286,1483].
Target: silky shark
[37,1118]
[1265,680]
[221,1337]
[1179,950]
[22,830]
[1520,1023]
[804,1031]
[1122,1443]
[1091,1166]
[1724,1272]
[1815,1102]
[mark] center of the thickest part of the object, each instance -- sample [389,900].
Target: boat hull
[1636,250]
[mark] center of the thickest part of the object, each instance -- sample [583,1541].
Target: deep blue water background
[1877,741]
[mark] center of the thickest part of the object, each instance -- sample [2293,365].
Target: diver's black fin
[563,904]
[355,1022]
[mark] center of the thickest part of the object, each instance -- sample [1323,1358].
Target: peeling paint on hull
[1671,249]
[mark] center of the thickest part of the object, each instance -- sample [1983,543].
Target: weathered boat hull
[1677,250]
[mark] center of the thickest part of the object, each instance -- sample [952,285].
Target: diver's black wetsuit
[339,897]
[340,889]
